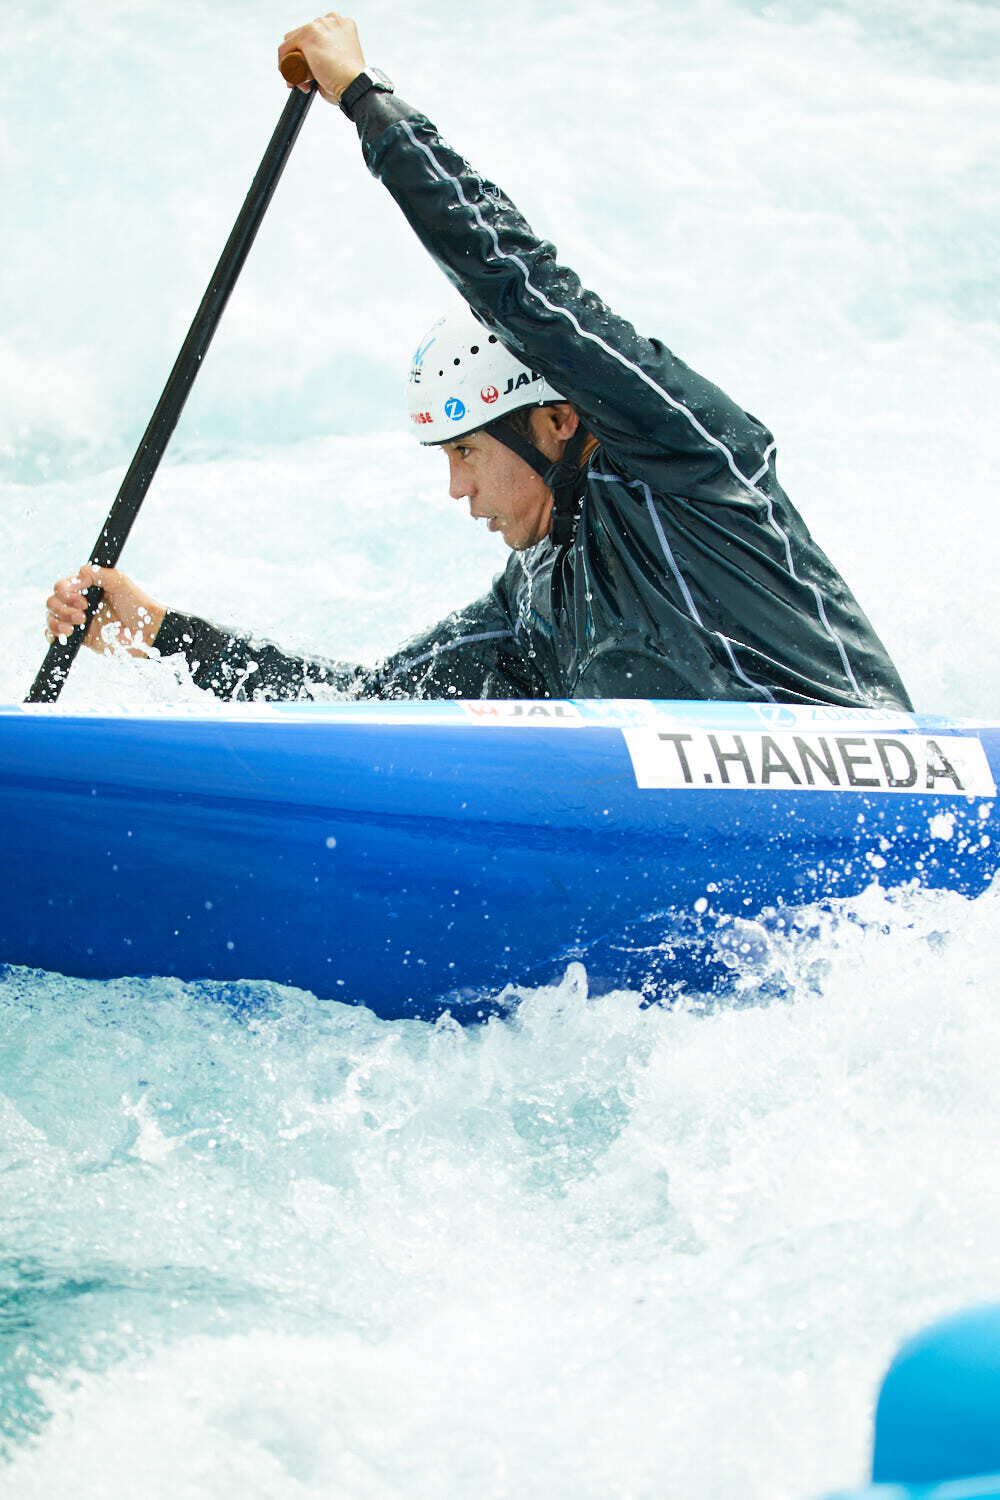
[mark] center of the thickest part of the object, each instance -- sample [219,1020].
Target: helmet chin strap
[562,475]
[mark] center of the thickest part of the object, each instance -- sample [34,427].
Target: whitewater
[257,1245]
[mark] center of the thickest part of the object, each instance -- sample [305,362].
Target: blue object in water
[937,1425]
[939,1411]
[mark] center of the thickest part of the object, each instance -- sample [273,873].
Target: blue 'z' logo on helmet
[454,409]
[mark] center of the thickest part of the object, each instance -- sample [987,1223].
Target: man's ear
[560,420]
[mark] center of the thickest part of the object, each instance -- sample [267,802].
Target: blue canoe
[421,856]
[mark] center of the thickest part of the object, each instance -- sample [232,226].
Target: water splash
[648,1242]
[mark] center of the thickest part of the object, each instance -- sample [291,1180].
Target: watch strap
[368,79]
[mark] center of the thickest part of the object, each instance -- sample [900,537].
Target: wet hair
[520,420]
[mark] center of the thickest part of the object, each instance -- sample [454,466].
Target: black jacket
[690,574]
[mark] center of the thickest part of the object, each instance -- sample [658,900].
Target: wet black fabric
[690,574]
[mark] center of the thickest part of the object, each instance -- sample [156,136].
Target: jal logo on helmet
[523,379]
[454,409]
[489,394]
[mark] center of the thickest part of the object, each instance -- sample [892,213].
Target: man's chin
[518,542]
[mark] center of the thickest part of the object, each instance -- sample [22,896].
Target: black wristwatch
[371,78]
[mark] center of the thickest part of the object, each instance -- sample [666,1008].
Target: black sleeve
[658,419]
[474,653]
[234,666]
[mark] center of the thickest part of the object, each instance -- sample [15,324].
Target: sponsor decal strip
[510,711]
[953,765]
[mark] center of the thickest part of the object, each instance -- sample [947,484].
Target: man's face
[500,488]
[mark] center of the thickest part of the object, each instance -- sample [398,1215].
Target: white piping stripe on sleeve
[462,640]
[763,468]
[671,562]
[820,606]
[671,401]
[692,607]
[761,687]
[784,537]
[640,484]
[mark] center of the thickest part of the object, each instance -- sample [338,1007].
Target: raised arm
[654,415]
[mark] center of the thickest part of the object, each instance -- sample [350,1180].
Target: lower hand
[126,616]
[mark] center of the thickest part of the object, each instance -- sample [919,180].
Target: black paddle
[107,549]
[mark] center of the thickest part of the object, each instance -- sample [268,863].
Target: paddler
[654,553]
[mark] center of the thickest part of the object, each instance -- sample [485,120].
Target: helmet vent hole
[474,349]
[493,338]
[457,361]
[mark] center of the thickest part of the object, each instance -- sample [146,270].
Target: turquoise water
[255,1245]
[261,1245]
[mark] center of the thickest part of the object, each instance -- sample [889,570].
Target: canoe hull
[421,857]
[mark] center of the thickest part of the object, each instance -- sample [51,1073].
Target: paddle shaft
[108,547]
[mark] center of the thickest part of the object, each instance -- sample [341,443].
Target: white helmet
[462,378]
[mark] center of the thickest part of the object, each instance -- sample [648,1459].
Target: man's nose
[459,483]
